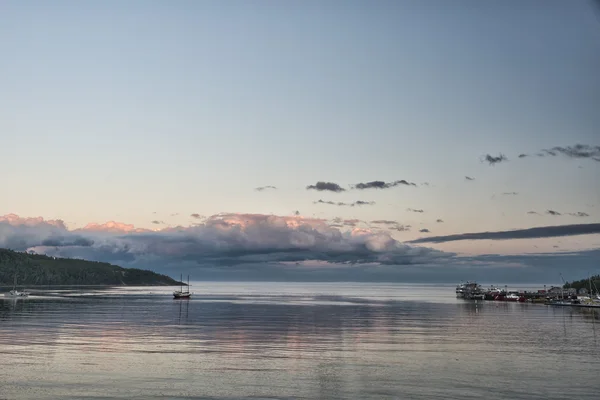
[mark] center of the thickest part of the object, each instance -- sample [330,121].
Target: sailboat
[14,292]
[592,300]
[180,294]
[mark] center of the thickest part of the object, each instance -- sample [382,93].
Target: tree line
[37,269]
[584,283]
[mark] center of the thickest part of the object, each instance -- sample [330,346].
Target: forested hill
[593,281]
[34,269]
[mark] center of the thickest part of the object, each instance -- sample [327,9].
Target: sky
[304,139]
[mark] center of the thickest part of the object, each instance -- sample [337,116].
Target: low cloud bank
[267,247]
[220,240]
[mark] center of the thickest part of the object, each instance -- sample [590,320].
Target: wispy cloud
[510,193]
[415,210]
[326,186]
[579,214]
[577,151]
[533,212]
[538,232]
[400,228]
[392,225]
[342,204]
[196,216]
[469,178]
[156,222]
[494,160]
[439,221]
[262,188]
[382,184]
[384,222]
[552,212]
[424,230]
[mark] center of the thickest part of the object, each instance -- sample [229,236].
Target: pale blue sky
[114,110]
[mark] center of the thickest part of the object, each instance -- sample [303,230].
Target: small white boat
[15,293]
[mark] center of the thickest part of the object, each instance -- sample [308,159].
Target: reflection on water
[312,341]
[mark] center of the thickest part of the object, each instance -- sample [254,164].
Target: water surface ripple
[293,341]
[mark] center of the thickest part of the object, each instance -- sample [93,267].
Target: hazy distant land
[34,269]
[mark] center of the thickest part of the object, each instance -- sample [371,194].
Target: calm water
[294,341]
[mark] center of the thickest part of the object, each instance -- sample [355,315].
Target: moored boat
[470,291]
[180,294]
[16,293]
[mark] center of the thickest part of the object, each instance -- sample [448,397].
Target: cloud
[262,188]
[392,225]
[382,184]
[112,227]
[291,248]
[15,220]
[552,212]
[196,215]
[413,210]
[533,212]
[351,222]
[384,222]
[579,214]
[20,233]
[296,212]
[424,230]
[510,193]
[577,151]
[469,178]
[157,222]
[326,186]
[494,160]
[221,241]
[58,241]
[342,204]
[538,232]
[439,221]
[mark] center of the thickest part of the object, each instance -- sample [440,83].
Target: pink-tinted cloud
[112,227]
[15,220]
[257,246]
[226,238]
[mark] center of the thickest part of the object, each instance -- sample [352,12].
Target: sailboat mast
[188,287]
[181,282]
